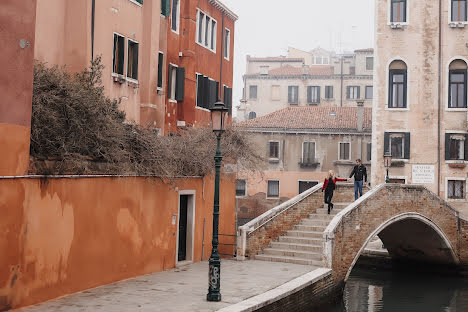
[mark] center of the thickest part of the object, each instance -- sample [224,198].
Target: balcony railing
[309,163]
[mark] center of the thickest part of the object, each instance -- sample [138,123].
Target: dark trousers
[328,198]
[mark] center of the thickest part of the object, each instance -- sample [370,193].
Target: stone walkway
[179,290]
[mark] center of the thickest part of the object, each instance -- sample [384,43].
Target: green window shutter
[165,7]
[407,145]
[180,84]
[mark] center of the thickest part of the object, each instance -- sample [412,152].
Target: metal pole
[214,293]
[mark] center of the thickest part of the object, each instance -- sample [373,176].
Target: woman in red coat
[329,186]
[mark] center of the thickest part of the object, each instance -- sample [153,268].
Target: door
[183,212]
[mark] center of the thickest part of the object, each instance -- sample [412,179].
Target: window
[318,60]
[241,188]
[273,149]
[325,61]
[329,92]
[132,65]
[305,185]
[313,95]
[397,93]
[253,92]
[275,93]
[455,146]
[369,151]
[139,1]
[369,92]
[252,115]
[293,95]
[458,10]
[353,92]
[166,7]
[352,70]
[176,83]
[160,69]
[206,33]
[370,63]
[273,189]
[175,15]
[345,151]
[119,55]
[456,189]
[227,97]
[457,93]
[308,152]
[398,11]
[398,144]
[227,43]
[207,91]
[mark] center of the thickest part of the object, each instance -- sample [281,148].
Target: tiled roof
[365,50]
[274,59]
[310,118]
[289,70]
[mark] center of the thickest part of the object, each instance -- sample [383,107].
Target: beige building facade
[306,78]
[420,97]
[301,144]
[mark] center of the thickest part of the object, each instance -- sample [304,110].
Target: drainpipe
[93,17]
[341,77]
[222,59]
[439,97]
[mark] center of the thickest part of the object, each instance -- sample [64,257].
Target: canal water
[375,290]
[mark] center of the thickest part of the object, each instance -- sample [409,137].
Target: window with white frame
[398,144]
[273,189]
[227,43]
[455,146]
[160,70]
[313,94]
[118,55]
[293,95]
[457,84]
[398,11]
[172,82]
[398,85]
[305,185]
[132,57]
[345,151]
[353,92]
[459,11]
[308,152]
[329,92]
[241,188]
[273,147]
[206,31]
[175,15]
[456,189]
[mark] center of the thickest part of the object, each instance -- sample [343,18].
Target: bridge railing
[258,233]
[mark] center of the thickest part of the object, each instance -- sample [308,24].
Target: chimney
[360,115]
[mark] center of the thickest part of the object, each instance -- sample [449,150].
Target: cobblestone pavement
[182,289]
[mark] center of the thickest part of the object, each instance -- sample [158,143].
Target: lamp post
[218,119]
[388,164]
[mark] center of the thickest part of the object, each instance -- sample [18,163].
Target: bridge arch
[386,210]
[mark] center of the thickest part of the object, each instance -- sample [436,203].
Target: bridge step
[338,205]
[305,234]
[292,246]
[312,222]
[293,253]
[301,240]
[333,212]
[309,228]
[322,217]
[295,260]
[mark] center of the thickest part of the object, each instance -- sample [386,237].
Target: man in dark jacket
[360,173]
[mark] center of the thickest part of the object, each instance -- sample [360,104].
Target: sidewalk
[179,290]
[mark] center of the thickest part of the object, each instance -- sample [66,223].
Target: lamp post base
[213,297]
[214,293]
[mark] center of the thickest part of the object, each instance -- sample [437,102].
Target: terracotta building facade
[420,104]
[301,144]
[150,51]
[306,78]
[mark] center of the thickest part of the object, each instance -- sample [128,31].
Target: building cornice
[304,77]
[220,6]
[305,131]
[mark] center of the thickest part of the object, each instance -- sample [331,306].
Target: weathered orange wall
[63,235]
[17,23]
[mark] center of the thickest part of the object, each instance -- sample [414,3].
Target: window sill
[172,101]
[456,164]
[202,108]
[203,46]
[458,24]
[293,104]
[398,25]
[118,78]
[456,200]
[273,160]
[243,196]
[132,82]
[397,109]
[313,104]
[160,91]
[343,162]
[461,109]
[399,162]
[273,197]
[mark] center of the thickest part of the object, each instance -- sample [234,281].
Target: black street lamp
[388,164]
[219,113]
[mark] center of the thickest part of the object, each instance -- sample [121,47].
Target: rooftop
[289,70]
[311,118]
[364,50]
[274,59]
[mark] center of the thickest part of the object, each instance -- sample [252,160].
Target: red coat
[325,183]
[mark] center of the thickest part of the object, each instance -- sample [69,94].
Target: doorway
[185,227]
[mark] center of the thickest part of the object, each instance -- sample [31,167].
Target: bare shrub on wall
[76,129]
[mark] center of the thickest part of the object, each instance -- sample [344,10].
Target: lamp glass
[219,114]
[388,160]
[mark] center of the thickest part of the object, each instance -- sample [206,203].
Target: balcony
[309,163]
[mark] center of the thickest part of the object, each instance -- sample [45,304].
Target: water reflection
[372,291]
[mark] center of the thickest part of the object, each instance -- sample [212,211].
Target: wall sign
[423,174]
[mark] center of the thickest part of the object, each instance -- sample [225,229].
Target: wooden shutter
[169,80]
[309,94]
[407,145]
[289,94]
[211,93]
[206,92]
[200,90]
[135,61]
[165,7]
[466,146]
[160,69]
[228,99]
[348,89]
[358,92]
[405,87]
[447,146]
[386,142]
[180,84]
[121,54]
[318,94]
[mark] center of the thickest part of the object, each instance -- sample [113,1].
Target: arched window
[398,85]
[252,115]
[457,84]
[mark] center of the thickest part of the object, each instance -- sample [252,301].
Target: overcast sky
[269,27]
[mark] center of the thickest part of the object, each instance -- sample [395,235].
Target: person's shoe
[331,206]
[328,209]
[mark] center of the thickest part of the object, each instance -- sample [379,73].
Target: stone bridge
[413,223]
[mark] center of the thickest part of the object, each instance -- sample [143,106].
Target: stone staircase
[302,244]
